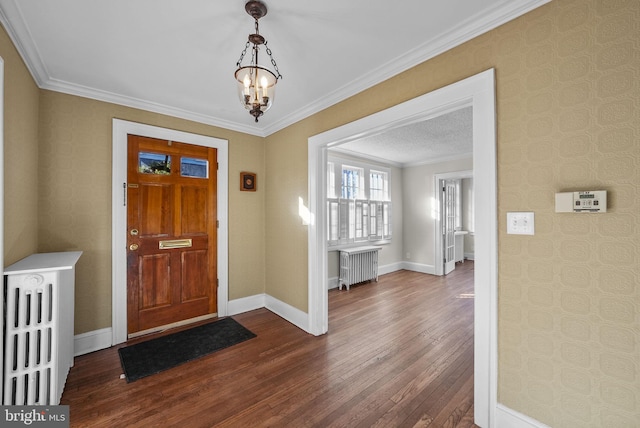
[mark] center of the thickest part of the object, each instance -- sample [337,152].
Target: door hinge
[217,224]
[217,283]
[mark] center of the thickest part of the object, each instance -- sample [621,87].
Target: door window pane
[154,163]
[190,167]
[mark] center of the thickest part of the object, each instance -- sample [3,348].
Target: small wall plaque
[248,181]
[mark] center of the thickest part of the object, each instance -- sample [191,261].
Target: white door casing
[479,92]
[121,129]
[2,199]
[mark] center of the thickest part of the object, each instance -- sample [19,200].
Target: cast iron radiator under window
[358,265]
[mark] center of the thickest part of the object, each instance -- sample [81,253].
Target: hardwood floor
[399,353]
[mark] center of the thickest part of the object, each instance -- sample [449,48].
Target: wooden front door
[171,232]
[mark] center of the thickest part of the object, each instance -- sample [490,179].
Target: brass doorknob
[133,247]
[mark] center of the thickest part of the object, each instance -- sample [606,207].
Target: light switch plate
[520,223]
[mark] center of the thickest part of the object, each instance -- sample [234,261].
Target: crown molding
[441,159]
[366,157]
[123,100]
[465,31]
[401,165]
[22,40]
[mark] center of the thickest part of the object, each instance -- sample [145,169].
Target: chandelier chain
[273,61]
[244,51]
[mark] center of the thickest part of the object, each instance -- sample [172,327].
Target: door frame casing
[121,129]
[437,218]
[479,92]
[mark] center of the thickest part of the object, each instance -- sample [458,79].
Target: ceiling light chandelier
[256,84]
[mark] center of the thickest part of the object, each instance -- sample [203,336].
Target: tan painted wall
[21,98]
[286,236]
[75,197]
[568,85]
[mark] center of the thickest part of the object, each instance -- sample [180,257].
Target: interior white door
[449,225]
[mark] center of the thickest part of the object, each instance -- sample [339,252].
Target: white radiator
[38,328]
[358,265]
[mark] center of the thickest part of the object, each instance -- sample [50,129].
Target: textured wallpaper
[569,314]
[21,98]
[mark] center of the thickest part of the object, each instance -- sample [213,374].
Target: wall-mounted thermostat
[590,201]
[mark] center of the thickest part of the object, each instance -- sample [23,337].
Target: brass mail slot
[175,243]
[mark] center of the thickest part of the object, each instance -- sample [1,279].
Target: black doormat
[155,355]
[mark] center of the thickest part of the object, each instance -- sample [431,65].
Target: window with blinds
[362,211]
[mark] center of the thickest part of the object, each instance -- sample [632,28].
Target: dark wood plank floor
[399,353]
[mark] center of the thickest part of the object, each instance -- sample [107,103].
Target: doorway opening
[479,92]
[439,243]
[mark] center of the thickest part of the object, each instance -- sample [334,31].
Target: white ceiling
[442,138]
[178,57]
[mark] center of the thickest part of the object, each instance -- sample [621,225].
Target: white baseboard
[469,256]
[102,339]
[246,304]
[332,283]
[419,267]
[508,418]
[294,315]
[382,270]
[92,341]
[392,267]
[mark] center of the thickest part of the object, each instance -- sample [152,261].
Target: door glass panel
[190,167]
[154,163]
